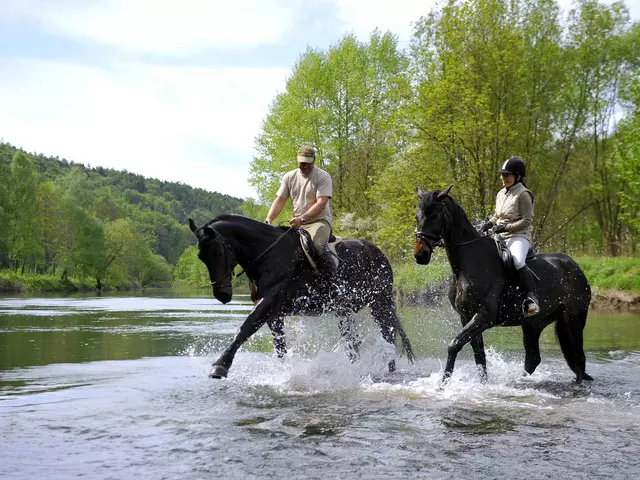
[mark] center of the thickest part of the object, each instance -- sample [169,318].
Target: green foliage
[345,102]
[13,282]
[621,273]
[251,209]
[121,229]
[155,271]
[190,270]
[483,80]
[25,240]
[409,277]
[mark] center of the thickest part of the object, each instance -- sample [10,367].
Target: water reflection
[42,331]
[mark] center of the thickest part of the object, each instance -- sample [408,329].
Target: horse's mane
[242,220]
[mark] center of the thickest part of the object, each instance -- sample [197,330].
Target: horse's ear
[419,192]
[209,232]
[441,195]
[192,225]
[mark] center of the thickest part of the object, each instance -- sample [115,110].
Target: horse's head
[220,260]
[431,221]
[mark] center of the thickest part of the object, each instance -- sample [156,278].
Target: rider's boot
[530,305]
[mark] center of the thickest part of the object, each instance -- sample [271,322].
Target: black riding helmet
[514,165]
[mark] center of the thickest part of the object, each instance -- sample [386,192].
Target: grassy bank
[612,273]
[13,282]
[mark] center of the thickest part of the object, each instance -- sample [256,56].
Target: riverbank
[615,282]
[602,300]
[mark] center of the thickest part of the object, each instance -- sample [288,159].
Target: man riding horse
[310,189]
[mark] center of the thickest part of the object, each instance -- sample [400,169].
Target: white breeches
[518,246]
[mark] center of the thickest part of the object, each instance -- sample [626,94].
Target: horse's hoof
[218,371]
[446,379]
[392,366]
[353,357]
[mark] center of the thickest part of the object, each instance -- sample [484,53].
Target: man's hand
[296,222]
[500,229]
[267,221]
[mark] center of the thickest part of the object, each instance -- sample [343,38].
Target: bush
[409,277]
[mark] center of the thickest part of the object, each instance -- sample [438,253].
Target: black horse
[482,293]
[285,283]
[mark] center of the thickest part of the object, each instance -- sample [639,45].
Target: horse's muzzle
[422,258]
[421,252]
[223,295]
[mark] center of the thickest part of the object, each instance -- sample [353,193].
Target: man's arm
[276,207]
[316,209]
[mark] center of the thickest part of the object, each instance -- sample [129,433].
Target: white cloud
[163,26]
[161,122]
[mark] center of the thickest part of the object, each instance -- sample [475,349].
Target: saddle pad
[507,258]
[310,251]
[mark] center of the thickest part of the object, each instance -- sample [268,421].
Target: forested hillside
[119,228]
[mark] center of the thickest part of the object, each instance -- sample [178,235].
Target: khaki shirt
[304,191]
[514,209]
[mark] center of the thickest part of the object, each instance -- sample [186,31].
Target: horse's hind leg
[569,327]
[531,342]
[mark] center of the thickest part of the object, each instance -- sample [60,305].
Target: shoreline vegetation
[615,283]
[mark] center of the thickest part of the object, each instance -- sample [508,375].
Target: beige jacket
[514,209]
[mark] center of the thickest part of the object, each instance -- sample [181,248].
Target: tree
[25,244]
[345,102]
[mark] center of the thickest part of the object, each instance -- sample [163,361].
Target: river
[117,387]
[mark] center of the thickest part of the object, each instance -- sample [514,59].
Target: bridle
[433,241]
[229,273]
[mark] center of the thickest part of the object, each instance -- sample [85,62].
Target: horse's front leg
[276,326]
[471,331]
[263,312]
[477,343]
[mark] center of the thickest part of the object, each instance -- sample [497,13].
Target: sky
[166,89]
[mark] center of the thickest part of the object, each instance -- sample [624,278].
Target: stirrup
[530,307]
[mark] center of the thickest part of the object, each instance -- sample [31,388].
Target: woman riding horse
[513,222]
[484,296]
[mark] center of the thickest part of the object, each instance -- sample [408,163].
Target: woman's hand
[500,229]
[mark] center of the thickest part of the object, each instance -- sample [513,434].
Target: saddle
[310,251]
[507,258]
